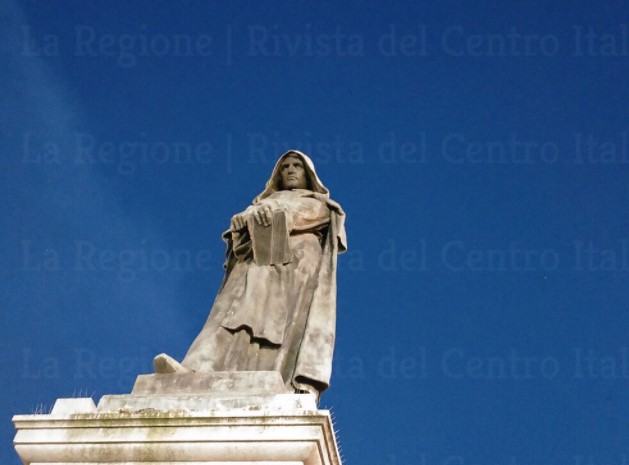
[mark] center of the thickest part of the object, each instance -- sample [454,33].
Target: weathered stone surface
[70,406]
[283,430]
[220,383]
[220,405]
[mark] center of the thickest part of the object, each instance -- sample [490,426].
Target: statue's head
[294,170]
[293,174]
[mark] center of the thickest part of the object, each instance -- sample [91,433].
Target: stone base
[218,383]
[284,429]
[208,404]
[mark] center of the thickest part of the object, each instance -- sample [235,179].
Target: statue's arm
[261,214]
[310,214]
[302,214]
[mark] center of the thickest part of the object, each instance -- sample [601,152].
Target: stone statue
[276,308]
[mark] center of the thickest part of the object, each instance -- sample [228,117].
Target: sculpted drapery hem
[283,316]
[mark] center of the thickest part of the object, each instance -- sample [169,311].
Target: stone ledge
[290,436]
[210,404]
[218,383]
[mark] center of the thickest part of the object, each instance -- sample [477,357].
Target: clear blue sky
[480,150]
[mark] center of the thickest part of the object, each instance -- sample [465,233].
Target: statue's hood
[274,183]
[320,192]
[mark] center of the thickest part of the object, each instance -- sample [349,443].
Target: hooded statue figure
[276,308]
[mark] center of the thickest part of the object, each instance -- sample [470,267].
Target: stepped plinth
[232,418]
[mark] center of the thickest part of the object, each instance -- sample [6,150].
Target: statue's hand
[262,214]
[239,221]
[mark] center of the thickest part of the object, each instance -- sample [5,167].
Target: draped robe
[278,317]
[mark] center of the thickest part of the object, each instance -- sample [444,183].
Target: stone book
[271,244]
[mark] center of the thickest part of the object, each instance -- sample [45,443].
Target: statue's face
[293,173]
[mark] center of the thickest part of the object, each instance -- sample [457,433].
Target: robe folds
[282,316]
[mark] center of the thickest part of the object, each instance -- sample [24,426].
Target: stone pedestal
[228,427]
